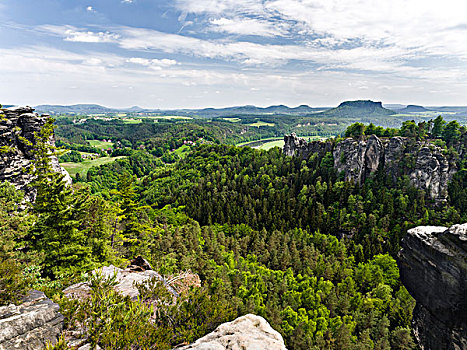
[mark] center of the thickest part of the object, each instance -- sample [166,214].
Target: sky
[217,53]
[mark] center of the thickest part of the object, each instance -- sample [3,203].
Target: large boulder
[17,128]
[136,273]
[30,325]
[433,268]
[249,332]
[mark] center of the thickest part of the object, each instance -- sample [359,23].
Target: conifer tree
[56,234]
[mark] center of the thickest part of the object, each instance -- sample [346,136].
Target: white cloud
[156,64]
[70,33]
[90,37]
[427,27]
[106,79]
[248,26]
[323,53]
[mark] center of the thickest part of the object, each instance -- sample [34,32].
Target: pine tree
[56,235]
[135,227]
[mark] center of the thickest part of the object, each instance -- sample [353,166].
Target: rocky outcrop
[30,325]
[17,128]
[425,164]
[296,145]
[126,281]
[433,268]
[137,273]
[248,332]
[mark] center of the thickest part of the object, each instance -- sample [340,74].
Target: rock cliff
[433,267]
[30,325]
[297,145]
[248,332]
[15,155]
[424,163]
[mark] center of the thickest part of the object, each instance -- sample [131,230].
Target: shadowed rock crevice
[433,268]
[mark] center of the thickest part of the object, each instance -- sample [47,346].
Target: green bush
[155,320]
[13,284]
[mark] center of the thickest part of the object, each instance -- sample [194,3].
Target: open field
[271,144]
[232,120]
[132,121]
[261,123]
[82,168]
[247,143]
[100,144]
[168,117]
[182,151]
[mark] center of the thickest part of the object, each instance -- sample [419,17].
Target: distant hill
[413,109]
[205,112]
[359,108]
[249,109]
[394,106]
[85,109]
[74,109]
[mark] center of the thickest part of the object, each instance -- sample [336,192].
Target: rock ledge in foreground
[433,267]
[249,332]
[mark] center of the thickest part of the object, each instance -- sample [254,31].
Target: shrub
[13,284]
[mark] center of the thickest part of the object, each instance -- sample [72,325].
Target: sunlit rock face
[31,325]
[426,166]
[433,268]
[249,332]
[17,128]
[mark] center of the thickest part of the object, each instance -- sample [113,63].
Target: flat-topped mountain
[413,109]
[357,108]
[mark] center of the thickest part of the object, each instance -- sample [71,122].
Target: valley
[302,231]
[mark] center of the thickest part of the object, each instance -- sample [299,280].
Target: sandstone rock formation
[138,272]
[30,325]
[433,267]
[248,332]
[16,155]
[297,145]
[425,164]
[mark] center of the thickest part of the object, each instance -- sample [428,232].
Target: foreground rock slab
[249,332]
[433,267]
[30,325]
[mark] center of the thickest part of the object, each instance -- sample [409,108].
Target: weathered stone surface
[249,332]
[19,123]
[30,325]
[294,145]
[433,267]
[137,273]
[431,171]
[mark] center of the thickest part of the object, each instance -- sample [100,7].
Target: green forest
[282,237]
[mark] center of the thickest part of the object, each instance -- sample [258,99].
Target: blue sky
[203,53]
